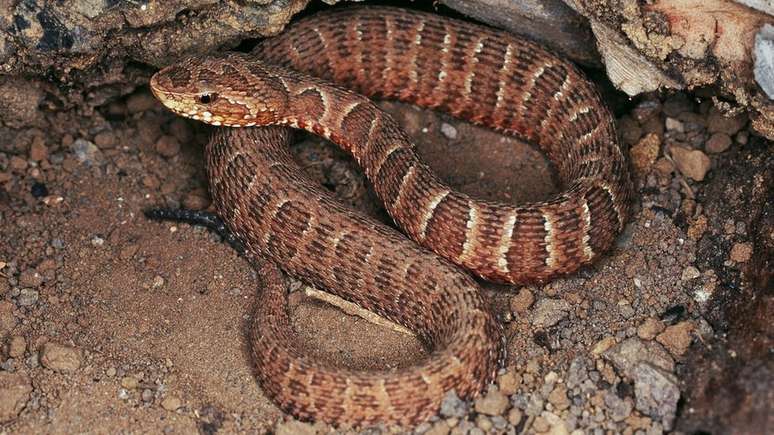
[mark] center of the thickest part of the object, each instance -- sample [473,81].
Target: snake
[320,75]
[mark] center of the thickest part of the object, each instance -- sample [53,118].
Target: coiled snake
[472,72]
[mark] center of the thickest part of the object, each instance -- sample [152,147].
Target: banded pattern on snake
[472,72]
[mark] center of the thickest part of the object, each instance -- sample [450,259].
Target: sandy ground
[113,324]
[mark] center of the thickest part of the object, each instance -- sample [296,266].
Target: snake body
[472,72]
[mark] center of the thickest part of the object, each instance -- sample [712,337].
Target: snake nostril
[208,98]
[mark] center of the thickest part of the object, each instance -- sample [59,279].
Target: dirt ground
[110,323]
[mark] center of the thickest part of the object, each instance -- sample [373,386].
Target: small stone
[656,393]
[630,130]
[196,201]
[650,328]
[719,123]
[28,297]
[17,164]
[30,278]
[742,137]
[677,338]
[448,130]
[493,403]
[158,282]
[673,124]
[508,382]
[180,129]
[110,372]
[86,152]
[484,423]
[147,395]
[717,143]
[645,152]
[692,163]
[522,301]
[630,352]
[689,273]
[741,252]
[603,345]
[105,139]
[171,403]
[167,146]
[60,358]
[540,424]
[664,167]
[140,102]
[440,428]
[676,104]
[17,346]
[38,151]
[151,182]
[515,416]
[548,312]
[558,397]
[7,319]
[453,406]
[646,110]
[618,409]
[128,251]
[697,227]
[130,382]
[15,389]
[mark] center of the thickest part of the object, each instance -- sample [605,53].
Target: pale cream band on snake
[472,72]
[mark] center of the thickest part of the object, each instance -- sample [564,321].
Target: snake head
[231,90]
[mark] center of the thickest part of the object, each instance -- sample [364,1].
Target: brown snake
[473,72]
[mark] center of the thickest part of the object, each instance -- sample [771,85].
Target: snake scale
[472,72]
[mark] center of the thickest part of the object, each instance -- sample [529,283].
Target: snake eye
[208,98]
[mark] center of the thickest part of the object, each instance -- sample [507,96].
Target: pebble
[630,130]
[17,346]
[646,110]
[741,252]
[645,152]
[558,397]
[86,152]
[440,428]
[180,129]
[631,352]
[140,102]
[509,382]
[603,345]
[522,301]
[17,164]
[28,297]
[549,312]
[130,382]
[656,393]
[717,143]
[677,338]
[689,273]
[38,151]
[677,104]
[453,406]
[167,146]
[719,123]
[147,395]
[448,130]
[540,424]
[7,319]
[30,278]
[105,139]
[493,403]
[484,423]
[515,416]
[60,358]
[110,372]
[692,163]
[650,328]
[673,124]
[15,389]
[618,409]
[196,201]
[171,403]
